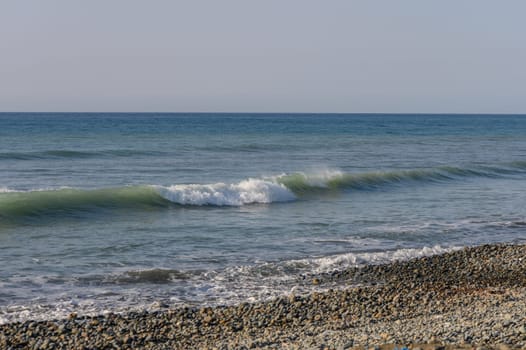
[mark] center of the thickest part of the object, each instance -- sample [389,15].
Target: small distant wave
[72,154]
[247,147]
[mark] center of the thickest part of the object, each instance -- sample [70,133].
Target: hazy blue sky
[263,56]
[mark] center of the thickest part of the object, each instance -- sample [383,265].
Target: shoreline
[461,299]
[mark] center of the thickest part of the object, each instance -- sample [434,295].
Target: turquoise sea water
[114,212]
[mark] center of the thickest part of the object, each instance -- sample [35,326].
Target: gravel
[470,298]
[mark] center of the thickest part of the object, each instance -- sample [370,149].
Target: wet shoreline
[466,298]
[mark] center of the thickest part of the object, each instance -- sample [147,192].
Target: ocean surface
[114,212]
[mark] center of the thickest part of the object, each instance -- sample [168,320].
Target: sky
[403,56]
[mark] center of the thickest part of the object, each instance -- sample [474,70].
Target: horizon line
[260,113]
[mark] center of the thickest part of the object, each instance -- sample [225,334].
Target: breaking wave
[283,188]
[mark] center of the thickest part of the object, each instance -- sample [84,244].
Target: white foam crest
[337,262]
[319,177]
[6,190]
[221,194]
[44,189]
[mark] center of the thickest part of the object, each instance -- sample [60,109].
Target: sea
[118,212]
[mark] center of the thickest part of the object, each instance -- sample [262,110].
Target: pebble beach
[469,298]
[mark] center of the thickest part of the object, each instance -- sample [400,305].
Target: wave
[68,202]
[15,205]
[301,183]
[153,276]
[342,261]
[70,154]
[272,272]
[282,188]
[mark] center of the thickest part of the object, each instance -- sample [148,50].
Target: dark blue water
[109,212]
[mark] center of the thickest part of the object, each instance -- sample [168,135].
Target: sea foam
[221,194]
[6,190]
